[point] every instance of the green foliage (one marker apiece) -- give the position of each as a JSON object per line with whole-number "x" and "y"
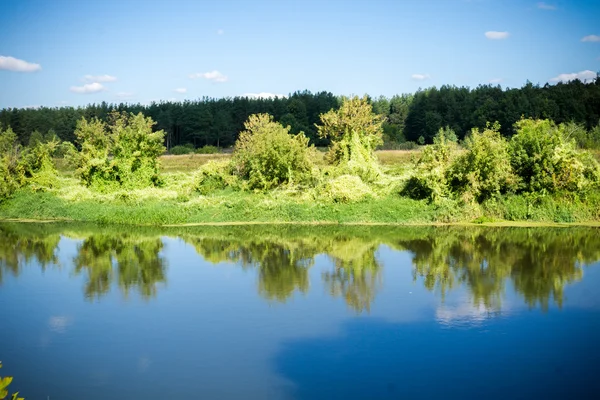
{"x": 355, "y": 132}
{"x": 546, "y": 160}
{"x": 585, "y": 139}
{"x": 35, "y": 139}
{"x": 121, "y": 154}
{"x": 430, "y": 178}
{"x": 484, "y": 170}
{"x": 180, "y": 150}
{"x": 266, "y": 155}
{"x": 12, "y": 173}
{"x": 214, "y": 176}
{"x": 345, "y": 189}
{"x": 208, "y": 150}
{"x": 4, "y": 383}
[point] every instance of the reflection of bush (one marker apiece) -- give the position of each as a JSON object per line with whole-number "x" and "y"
{"x": 537, "y": 262}
{"x": 17, "y": 248}
{"x": 138, "y": 264}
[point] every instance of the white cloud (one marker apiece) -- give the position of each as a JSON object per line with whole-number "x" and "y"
{"x": 495, "y": 35}
{"x": 99, "y": 78}
{"x": 180, "y": 90}
{"x": 14, "y": 64}
{"x": 214, "y": 76}
{"x": 263, "y": 95}
{"x": 495, "y": 80}
{"x": 220, "y": 32}
{"x": 582, "y": 76}
{"x": 59, "y": 323}
{"x": 591, "y": 38}
{"x": 545, "y": 6}
{"x": 88, "y": 88}
{"x": 420, "y": 77}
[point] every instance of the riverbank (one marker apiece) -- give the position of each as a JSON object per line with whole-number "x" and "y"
{"x": 164, "y": 207}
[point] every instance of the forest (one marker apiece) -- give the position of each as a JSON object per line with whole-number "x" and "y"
{"x": 412, "y": 118}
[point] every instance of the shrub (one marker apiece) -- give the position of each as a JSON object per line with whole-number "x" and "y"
{"x": 484, "y": 171}
{"x": 584, "y": 139}
{"x": 12, "y": 173}
{"x": 345, "y": 189}
{"x": 546, "y": 160}
{"x": 180, "y": 150}
{"x": 266, "y": 155}
{"x": 208, "y": 150}
{"x": 430, "y": 179}
{"x": 121, "y": 154}
{"x": 213, "y": 176}
{"x": 355, "y": 132}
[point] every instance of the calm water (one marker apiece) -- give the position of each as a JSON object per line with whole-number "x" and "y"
{"x": 300, "y": 313}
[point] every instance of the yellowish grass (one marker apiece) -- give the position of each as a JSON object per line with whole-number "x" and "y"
{"x": 188, "y": 162}
{"x": 390, "y": 157}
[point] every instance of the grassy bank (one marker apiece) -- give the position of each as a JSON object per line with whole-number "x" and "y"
{"x": 176, "y": 203}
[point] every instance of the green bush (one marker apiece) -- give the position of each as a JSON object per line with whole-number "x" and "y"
{"x": 266, "y": 155}
{"x": 12, "y": 174}
{"x": 484, "y": 171}
{"x": 546, "y": 160}
{"x": 430, "y": 179}
{"x": 584, "y": 139}
{"x": 213, "y": 176}
{"x": 181, "y": 150}
{"x": 121, "y": 154}
{"x": 355, "y": 132}
{"x": 208, "y": 150}
{"x": 345, "y": 189}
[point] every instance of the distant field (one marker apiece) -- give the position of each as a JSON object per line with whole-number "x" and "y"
{"x": 191, "y": 162}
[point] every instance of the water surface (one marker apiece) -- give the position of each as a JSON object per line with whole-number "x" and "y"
{"x": 299, "y": 313}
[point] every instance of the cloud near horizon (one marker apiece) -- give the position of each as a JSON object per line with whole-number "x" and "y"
{"x": 14, "y": 64}
{"x": 582, "y": 76}
{"x": 99, "y": 78}
{"x": 94, "y": 87}
{"x": 214, "y": 76}
{"x": 495, "y": 80}
{"x": 496, "y": 35}
{"x": 591, "y": 38}
{"x": 180, "y": 90}
{"x": 420, "y": 77}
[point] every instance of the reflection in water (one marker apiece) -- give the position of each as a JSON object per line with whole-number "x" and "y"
{"x": 536, "y": 262}
{"x": 138, "y": 264}
{"x": 22, "y": 246}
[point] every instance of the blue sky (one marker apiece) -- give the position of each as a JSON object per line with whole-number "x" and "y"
{"x": 67, "y": 52}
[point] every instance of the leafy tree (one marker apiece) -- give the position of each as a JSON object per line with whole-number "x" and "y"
{"x": 355, "y": 132}
{"x": 12, "y": 173}
{"x": 546, "y": 160}
{"x": 122, "y": 153}
{"x": 266, "y": 155}
{"x": 484, "y": 170}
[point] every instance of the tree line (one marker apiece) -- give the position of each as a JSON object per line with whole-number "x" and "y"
{"x": 413, "y": 117}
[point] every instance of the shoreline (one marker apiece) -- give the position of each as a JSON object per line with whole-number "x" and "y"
{"x": 495, "y": 224}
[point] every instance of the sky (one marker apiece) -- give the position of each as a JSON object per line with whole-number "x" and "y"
{"x": 71, "y": 53}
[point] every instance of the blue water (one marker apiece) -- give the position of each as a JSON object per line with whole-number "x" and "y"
{"x": 280, "y": 315}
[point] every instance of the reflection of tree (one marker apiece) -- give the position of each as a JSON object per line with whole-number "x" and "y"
{"x": 539, "y": 262}
{"x": 283, "y": 263}
{"x": 356, "y": 272}
{"x": 138, "y": 264}
{"x": 282, "y": 268}
{"x": 17, "y": 249}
